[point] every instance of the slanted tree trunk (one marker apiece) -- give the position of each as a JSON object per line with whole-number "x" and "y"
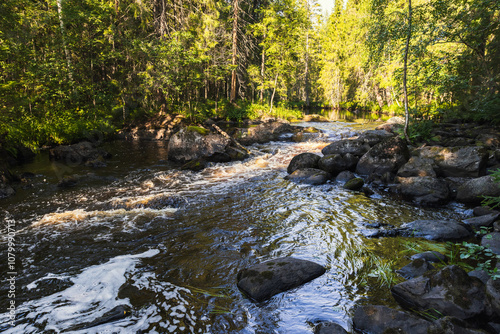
{"x": 405, "y": 70}
{"x": 235, "y": 49}
{"x": 65, "y": 46}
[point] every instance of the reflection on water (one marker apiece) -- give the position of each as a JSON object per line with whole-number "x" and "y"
{"x": 169, "y": 244}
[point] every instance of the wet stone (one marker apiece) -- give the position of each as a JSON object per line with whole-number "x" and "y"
{"x": 431, "y": 256}
{"x": 482, "y": 221}
{"x": 415, "y": 269}
{"x": 329, "y": 328}
{"x": 310, "y": 176}
{"x": 262, "y": 281}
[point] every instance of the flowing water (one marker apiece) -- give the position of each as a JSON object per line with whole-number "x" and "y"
{"x": 170, "y": 243}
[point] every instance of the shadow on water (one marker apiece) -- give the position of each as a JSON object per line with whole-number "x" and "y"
{"x": 169, "y": 244}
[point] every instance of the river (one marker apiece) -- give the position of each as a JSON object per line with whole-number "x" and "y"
{"x": 179, "y": 238}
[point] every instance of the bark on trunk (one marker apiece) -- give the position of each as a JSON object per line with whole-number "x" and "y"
{"x": 65, "y": 45}
{"x": 235, "y": 49}
{"x": 405, "y": 69}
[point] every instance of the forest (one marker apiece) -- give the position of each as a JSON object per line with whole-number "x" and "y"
{"x": 70, "y": 67}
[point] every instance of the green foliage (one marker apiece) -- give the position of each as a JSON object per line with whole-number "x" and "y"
{"x": 484, "y": 258}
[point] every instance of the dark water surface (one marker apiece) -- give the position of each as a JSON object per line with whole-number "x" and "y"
{"x": 178, "y": 239}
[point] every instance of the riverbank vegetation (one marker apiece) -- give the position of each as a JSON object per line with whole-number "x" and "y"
{"x": 70, "y": 67}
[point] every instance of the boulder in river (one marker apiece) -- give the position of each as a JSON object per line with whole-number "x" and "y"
{"x": 373, "y": 137}
{"x": 194, "y": 142}
{"x": 440, "y": 230}
{"x": 424, "y": 190}
{"x": 430, "y": 256}
{"x": 262, "y": 281}
{"x": 471, "y": 191}
{"x": 303, "y": 160}
{"x": 352, "y": 146}
{"x": 262, "y": 133}
{"x": 385, "y": 157}
{"x": 493, "y": 295}
{"x": 329, "y": 328}
{"x": 482, "y": 221}
{"x": 447, "y": 292}
{"x": 309, "y": 176}
{"x": 345, "y": 176}
{"x": 415, "y": 268}
{"x": 336, "y": 163}
{"x": 378, "y": 319}
{"x": 355, "y": 184}
{"x": 77, "y": 154}
{"x": 462, "y": 161}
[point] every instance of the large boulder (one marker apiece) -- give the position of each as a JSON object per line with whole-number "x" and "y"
{"x": 262, "y": 133}
{"x": 424, "y": 190}
{"x": 417, "y": 166}
{"x": 385, "y": 157}
{"x": 310, "y": 176}
{"x": 352, "y": 146}
{"x": 440, "y": 230}
{"x": 303, "y": 160}
{"x": 77, "y": 154}
{"x": 336, "y": 163}
{"x": 482, "y": 221}
{"x": 493, "y": 295}
{"x": 447, "y": 292}
{"x": 194, "y": 143}
{"x": 472, "y": 190}
{"x": 373, "y": 137}
{"x": 262, "y": 281}
{"x": 466, "y": 161}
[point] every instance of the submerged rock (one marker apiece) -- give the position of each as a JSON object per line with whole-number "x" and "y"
{"x": 262, "y": 281}
{"x": 377, "y": 319}
{"x": 385, "y": 157}
{"x": 431, "y": 256}
{"x": 303, "y": 160}
{"x": 329, "y": 328}
{"x": 309, "y": 176}
{"x": 447, "y": 292}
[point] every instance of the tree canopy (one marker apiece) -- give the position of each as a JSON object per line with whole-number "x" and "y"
{"x": 67, "y": 67}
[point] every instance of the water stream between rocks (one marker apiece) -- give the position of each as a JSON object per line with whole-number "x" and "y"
{"x": 170, "y": 243}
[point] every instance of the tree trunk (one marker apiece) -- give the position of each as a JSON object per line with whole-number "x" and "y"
{"x": 274, "y": 91}
{"x": 262, "y": 71}
{"x": 66, "y": 51}
{"x": 235, "y": 49}
{"x": 307, "y": 84}
{"x": 405, "y": 70}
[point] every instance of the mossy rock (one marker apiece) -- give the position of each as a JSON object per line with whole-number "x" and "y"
{"x": 194, "y": 165}
{"x": 354, "y": 184}
{"x": 199, "y": 129}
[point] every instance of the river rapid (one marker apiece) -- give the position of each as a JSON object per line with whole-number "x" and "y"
{"x": 177, "y": 240}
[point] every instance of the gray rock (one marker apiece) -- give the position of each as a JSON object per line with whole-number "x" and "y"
{"x": 483, "y": 211}
{"x": 493, "y": 295}
{"x": 336, "y": 163}
{"x": 454, "y": 183}
{"x": 77, "y": 154}
{"x": 345, "y": 176}
{"x": 480, "y": 274}
{"x": 263, "y": 133}
{"x": 194, "y": 143}
{"x": 415, "y": 269}
{"x": 309, "y": 176}
{"x": 355, "y": 147}
{"x": 354, "y": 184}
{"x": 303, "y": 160}
{"x": 376, "y": 319}
{"x": 482, "y": 221}
{"x": 492, "y": 241}
{"x": 417, "y": 166}
{"x": 436, "y": 230}
{"x": 236, "y": 154}
{"x": 472, "y": 190}
{"x": 262, "y": 281}
{"x": 424, "y": 190}
{"x": 329, "y": 328}
{"x": 431, "y": 256}
{"x": 467, "y": 161}
{"x": 449, "y": 292}
{"x": 373, "y": 137}
{"x": 452, "y": 325}
{"x": 385, "y": 157}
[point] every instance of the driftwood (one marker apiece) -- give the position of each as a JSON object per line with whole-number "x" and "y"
{"x": 234, "y": 141}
